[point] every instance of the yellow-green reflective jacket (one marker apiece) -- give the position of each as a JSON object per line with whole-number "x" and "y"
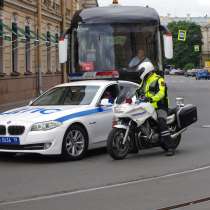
{"x": 155, "y": 88}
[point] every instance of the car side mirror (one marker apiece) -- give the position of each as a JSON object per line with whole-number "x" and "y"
{"x": 63, "y": 49}
{"x": 105, "y": 102}
{"x": 30, "y": 102}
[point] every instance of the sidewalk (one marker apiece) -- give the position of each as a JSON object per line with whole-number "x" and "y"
{"x": 5, "y": 107}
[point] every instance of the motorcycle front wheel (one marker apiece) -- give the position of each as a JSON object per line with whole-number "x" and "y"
{"x": 115, "y": 147}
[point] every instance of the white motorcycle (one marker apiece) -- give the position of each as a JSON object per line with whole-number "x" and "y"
{"x": 135, "y": 126}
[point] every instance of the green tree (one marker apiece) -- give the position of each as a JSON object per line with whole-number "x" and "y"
{"x": 184, "y": 52}
{"x": 189, "y": 66}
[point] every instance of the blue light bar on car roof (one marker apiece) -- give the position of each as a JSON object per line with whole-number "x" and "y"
{"x": 94, "y": 75}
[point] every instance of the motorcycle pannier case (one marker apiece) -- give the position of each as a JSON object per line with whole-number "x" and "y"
{"x": 187, "y": 116}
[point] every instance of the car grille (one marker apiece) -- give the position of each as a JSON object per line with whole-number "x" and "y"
{"x": 16, "y": 130}
{"x": 2, "y": 130}
{"x": 23, "y": 147}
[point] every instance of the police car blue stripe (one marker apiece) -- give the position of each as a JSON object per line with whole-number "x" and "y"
{"x": 82, "y": 114}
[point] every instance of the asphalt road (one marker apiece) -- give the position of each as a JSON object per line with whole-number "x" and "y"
{"x": 148, "y": 180}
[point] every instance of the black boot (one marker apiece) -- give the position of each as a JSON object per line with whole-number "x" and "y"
{"x": 170, "y": 152}
{"x": 166, "y": 140}
{"x": 165, "y": 136}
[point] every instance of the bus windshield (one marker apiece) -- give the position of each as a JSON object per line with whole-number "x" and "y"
{"x": 103, "y": 47}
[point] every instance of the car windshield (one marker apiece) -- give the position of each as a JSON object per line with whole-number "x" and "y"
{"x": 71, "y": 95}
{"x": 102, "y": 47}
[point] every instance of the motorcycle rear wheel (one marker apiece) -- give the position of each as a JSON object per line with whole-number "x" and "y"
{"x": 115, "y": 148}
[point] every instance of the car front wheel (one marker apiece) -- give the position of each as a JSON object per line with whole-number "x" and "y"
{"x": 75, "y": 143}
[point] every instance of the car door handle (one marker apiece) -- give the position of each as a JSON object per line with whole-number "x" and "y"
{"x": 92, "y": 123}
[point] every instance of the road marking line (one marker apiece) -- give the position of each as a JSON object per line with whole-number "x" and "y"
{"x": 69, "y": 193}
{"x": 205, "y": 126}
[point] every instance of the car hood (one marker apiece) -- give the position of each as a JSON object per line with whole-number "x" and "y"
{"x": 34, "y": 114}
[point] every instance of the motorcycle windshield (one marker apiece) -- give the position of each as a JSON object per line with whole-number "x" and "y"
{"x": 127, "y": 95}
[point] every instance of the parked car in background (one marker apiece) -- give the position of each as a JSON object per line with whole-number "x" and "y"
{"x": 179, "y": 72}
{"x": 176, "y": 72}
{"x": 191, "y": 73}
{"x": 166, "y": 71}
{"x": 202, "y": 74}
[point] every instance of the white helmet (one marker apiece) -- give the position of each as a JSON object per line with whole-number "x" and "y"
{"x": 144, "y": 69}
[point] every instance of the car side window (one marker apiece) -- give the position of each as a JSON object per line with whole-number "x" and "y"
{"x": 111, "y": 93}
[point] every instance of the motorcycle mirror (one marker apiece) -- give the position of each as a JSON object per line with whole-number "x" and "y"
{"x": 180, "y": 102}
{"x": 134, "y": 99}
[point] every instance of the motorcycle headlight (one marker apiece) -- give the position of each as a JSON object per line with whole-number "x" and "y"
{"x": 118, "y": 110}
{"x": 44, "y": 126}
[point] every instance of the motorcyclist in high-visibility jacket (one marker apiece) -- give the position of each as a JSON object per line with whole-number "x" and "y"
{"x": 155, "y": 90}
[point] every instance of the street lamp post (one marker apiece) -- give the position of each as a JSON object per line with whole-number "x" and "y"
{"x": 207, "y": 28}
{"x": 39, "y": 57}
{"x": 63, "y": 28}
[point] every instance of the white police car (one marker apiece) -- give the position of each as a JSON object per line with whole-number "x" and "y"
{"x": 68, "y": 119}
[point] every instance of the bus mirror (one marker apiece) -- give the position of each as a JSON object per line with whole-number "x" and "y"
{"x": 63, "y": 50}
{"x": 168, "y": 45}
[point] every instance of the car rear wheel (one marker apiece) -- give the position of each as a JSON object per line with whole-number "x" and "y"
{"x": 75, "y": 143}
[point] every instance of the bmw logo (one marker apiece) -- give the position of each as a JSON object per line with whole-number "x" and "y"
{"x": 9, "y": 122}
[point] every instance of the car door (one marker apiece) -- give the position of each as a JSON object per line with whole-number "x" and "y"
{"x": 103, "y": 120}
{"x": 101, "y": 123}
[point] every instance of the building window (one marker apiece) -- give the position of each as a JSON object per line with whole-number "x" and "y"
{"x": 27, "y": 48}
{"x": 1, "y": 46}
{"x": 48, "y": 44}
{"x": 14, "y": 46}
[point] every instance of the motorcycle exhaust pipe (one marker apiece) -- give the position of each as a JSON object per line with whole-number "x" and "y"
{"x": 178, "y": 133}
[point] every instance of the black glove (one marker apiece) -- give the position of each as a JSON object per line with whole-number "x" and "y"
{"x": 148, "y": 100}
{"x": 140, "y": 93}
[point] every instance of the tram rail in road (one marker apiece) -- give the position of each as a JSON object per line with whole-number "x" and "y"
{"x": 195, "y": 202}
{"x": 116, "y": 185}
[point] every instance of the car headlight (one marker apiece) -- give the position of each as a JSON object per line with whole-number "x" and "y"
{"x": 44, "y": 126}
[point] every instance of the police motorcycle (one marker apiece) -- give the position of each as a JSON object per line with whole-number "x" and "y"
{"x": 135, "y": 125}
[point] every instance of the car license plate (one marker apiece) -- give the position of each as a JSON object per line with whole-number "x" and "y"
{"x": 10, "y": 140}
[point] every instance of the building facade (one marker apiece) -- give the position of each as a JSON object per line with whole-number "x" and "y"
{"x": 206, "y": 45}
{"x": 88, "y": 3}
{"x": 21, "y": 34}
{"x": 204, "y": 22}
